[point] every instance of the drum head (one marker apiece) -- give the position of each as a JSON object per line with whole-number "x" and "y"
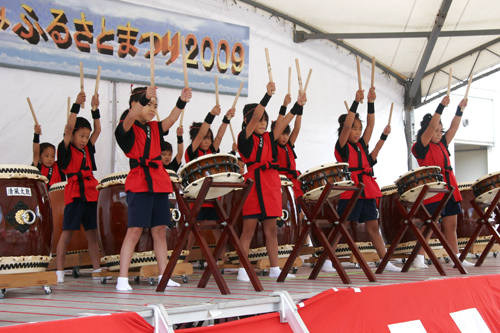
{"x": 412, "y": 195}
{"x": 174, "y": 177}
{"x": 285, "y": 181}
{"x": 192, "y": 190}
{"x": 389, "y": 189}
{"x": 316, "y": 193}
{"x": 487, "y": 197}
{"x": 412, "y": 171}
{"x": 320, "y": 167}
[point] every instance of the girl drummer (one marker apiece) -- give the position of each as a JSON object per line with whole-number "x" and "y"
{"x": 167, "y": 152}
{"x": 76, "y": 159}
{"x": 352, "y": 147}
{"x": 431, "y": 148}
{"x": 257, "y": 148}
{"x": 44, "y": 158}
{"x": 148, "y": 184}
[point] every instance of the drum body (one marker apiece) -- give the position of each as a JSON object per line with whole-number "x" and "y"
{"x": 467, "y": 221}
{"x": 315, "y": 179}
{"x": 486, "y": 187}
{"x": 79, "y": 239}
{"x": 26, "y": 215}
{"x": 411, "y": 183}
{"x": 390, "y": 217}
{"x": 221, "y": 167}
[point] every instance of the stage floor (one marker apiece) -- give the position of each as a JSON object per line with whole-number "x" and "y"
{"x": 82, "y": 296}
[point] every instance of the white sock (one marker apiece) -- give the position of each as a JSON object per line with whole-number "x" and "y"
{"x": 327, "y": 267}
{"x": 60, "y": 276}
{"x": 99, "y": 271}
{"x": 242, "y": 275}
{"x": 122, "y": 284}
{"x": 275, "y": 272}
{"x": 170, "y": 283}
{"x": 420, "y": 258}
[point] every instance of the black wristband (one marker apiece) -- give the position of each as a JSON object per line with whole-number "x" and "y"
{"x": 75, "y": 108}
{"x": 301, "y": 111}
{"x": 265, "y": 100}
{"x": 209, "y": 118}
{"x": 180, "y": 104}
{"x": 440, "y": 108}
{"x": 296, "y": 109}
{"x": 36, "y": 138}
{"x": 383, "y": 137}
{"x": 96, "y": 114}
{"x": 371, "y": 108}
{"x": 179, "y": 139}
{"x": 459, "y": 112}
{"x": 144, "y": 100}
{"x": 282, "y": 110}
{"x": 225, "y": 120}
{"x": 354, "y": 107}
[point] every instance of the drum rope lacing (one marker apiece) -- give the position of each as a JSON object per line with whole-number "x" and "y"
{"x": 402, "y": 186}
{"x": 21, "y": 170}
{"x": 199, "y": 170}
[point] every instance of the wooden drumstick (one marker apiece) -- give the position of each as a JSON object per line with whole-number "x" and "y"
{"x": 390, "y": 114}
{"x": 69, "y": 106}
{"x": 467, "y": 91}
{"x": 32, "y": 111}
{"x": 289, "y": 79}
{"x": 81, "y": 82}
{"x": 307, "y": 81}
{"x": 449, "y": 82}
{"x": 269, "y": 68}
{"x": 152, "y": 67}
{"x": 347, "y": 107}
{"x": 373, "y": 72}
{"x": 237, "y": 95}
{"x": 184, "y": 62}
{"x": 299, "y": 76}
{"x": 359, "y": 76}
{"x": 216, "y": 90}
{"x": 96, "y": 90}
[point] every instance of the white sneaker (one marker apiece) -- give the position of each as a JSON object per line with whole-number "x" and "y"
{"x": 419, "y": 264}
{"x": 391, "y": 268}
{"x": 60, "y": 276}
{"x": 466, "y": 263}
{"x": 170, "y": 283}
{"x": 275, "y": 272}
{"x": 328, "y": 267}
{"x": 242, "y": 275}
{"x": 122, "y": 284}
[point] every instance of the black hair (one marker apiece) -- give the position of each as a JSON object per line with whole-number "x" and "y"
{"x": 248, "y": 111}
{"x": 136, "y": 94}
{"x": 166, "y": 146}
{"x": 45, "y": 145}
{"x": 194, "y": 129}
{"x": 240, "y": 159}
{"x": 424, "y": 124}
{"x": 342, "y": 121}
{"x": 81, "y": 123}
{"x": 287, "y": 129}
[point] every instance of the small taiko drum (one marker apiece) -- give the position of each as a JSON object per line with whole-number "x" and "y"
{"x": 223, "y": 168}
{"x": 79, "y": 239}
{"x": 485, "y": 188}
{"x": 26, "y": 220}
{"x": 288, "y": 226}
{"x": 411, "y": 183}
{"x": 315, "y": 179}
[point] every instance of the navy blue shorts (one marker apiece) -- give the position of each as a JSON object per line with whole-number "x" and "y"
{"x": 80, "y": 213}
{"x": 451, "y": 208}
{"x": 207, "y": 213}
{"x": 148, "y": 210}
{"x": 364, "y": 210}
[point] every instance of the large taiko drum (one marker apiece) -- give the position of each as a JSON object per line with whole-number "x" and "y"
{"x": 288, "y": 226}
{"x": 485, "y": 188}
{"x": 223, "y": 168}
{"x": 79, "y": 239}
{"x": 315, "y": 179}
{"x": 411, "y": 183}
{"x": 26, "y": 220}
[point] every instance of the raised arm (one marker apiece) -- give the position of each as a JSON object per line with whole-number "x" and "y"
{"x": 286, "y": 102}
{"x": 36, "y": 145}
{"x": 168, "y": 122}
{"x": 380, "y": 143}
{"x": 259, "y": 110}
{"x": 433, "y": 125}
{"x": 297, "y": 109}
{"x": 370, "y": 117}
{"x": 222, "y": 128}
{"x": 455, "y": 123}
{"x": 204, "y": 127}
{"x": 97, "y": 122}
{"x": 180, "y": 144}
{"x": 70, "y": 125}
{"x": 296, "y": 129}
{"x": 349, "y": 120}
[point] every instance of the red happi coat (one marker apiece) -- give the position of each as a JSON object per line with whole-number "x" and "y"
{"x": 53, "y": 174}
{"x": 360, "y": 166}
{"x": 438, "y": 154}
{"x": 287, "y": 167}
{"x": 262, "y": 165}
{"x": 198, "y": 152}
{"x": 81, "y": 180}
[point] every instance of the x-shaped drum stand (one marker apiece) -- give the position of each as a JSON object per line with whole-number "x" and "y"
{"x": 330, "y": 243}
{"x": 483, "y": 221}
{"x": 224, "y": 221}
{"x": 417, "y": 207}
